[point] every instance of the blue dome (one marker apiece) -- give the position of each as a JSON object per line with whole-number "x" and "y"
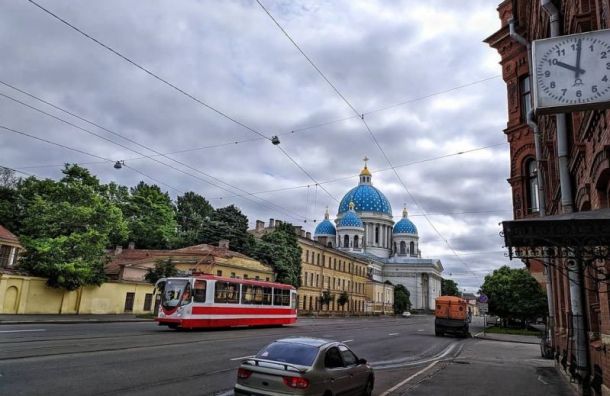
{"x": 405, "y": 226}
{"x": 351, "y": 219}
{"x": 326, "y": 227}
{"x": 366, "y": 198}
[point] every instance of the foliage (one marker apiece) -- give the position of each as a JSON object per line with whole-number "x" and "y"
{"x": 514, "y": 294}
{"x": 343, "y": 298}
{"x": 402, "y": 299}
{"x": 192, "y": 212}
{"x": 449, "y": 288}
{"x": 281, "y": 251}
{"x": 65, "y": 228}
{"x": 8, "y": 178}
{"x": 326, "y": 298}
{"x": 151, "y": 217}
{"x": 163, "y": 269}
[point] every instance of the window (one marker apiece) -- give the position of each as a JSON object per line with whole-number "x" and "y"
{"x": 129, "y": 298}
{"x": 281, "y": 297}
{"x": 532, "y": 185}
{"x": 377, "y": 234}
{"x": 356, "y": 241}
{"x": 317, "y": 279}
{"x": 403, "y": 247}
{"x": 412, "y": 248}
{"x": 349, "y": 359}
{"x": 199, "y": 291}
{"x": 148, "y": 302}
{"x": 219, "y": 273}
{"x": 245, "y": 276}
{"x": 318, "y": 258}
{"x": 5, "y": 255}
{"x": 306, "y": 256}
{"x": 255, "y": 295}
{"x": 227, "y": 293}
{"x": 232, "y": 274}
{"x": 346, "y": 241}
{"x": 526, "y": 102}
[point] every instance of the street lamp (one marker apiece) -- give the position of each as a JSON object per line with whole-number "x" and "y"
{"x": 119, "y": 164}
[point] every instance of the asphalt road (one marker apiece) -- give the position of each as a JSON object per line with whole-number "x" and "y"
{"x": 144, "y": 359}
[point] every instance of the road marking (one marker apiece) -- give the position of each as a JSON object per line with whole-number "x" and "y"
{"x": 476, "y": 335}
{"x": 227, "y": 393}
{"x": 421, "y": 330}
{"x": 393, "y": 334}
{"x": 541, "y": 380}
{"x": 392, "y": 389}
{"x": 346, "y": 341}
{"x": 243, "y": 357}
{"x": 20, "y": 331}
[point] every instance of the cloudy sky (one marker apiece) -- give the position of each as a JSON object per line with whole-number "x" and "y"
{"x": 428, "y": 87}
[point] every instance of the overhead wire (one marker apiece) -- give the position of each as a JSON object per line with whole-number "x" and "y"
{"x": 366, "y": 125}
{"x": 173, "y": 86}
{"x": 284, "y": 210}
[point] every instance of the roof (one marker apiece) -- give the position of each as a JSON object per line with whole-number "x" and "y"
{"x": 351, "y": 219}
{"x": 366, "y": 198}
{"x": 326, "y": 227}
{"x": 316, "y": 342}
{"x": 6, "y": 235}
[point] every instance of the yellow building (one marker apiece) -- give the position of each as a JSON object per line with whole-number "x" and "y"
{"x": 326, "y": 269}
{"x": 381, "y": 297}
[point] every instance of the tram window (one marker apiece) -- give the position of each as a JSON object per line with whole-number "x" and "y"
{"x": 248, "y": 294}
{"x": 227, "y": 292}
{"x": 199, "y": 291}
{"x": 281, "y": 297}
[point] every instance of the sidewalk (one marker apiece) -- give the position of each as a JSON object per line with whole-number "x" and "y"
{"x": 487, "y": 367}
{"x": 521, "y": 339}
{"x": 6, "y": 319}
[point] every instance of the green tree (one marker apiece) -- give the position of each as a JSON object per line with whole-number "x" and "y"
{"x": 282, "y": 252}
{"x": 343, "y": 298}
{"x": 514, "y": 294}
{"x": 192, "y": 212}
{"x": 151, "y": 217}
{"x": 449, "y": 288}
{"x": 326, "y": 298}
{"x": 66, "y": 227}
{"x": 402, "y": 299}
{"x": 163, "y": 269}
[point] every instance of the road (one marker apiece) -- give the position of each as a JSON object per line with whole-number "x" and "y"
{"x": 144, "y": 359}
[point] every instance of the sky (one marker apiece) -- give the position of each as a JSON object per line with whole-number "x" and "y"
{"x": 229, "y": 79}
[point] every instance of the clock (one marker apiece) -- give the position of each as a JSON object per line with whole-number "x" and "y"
{"x": 572, "y": 73}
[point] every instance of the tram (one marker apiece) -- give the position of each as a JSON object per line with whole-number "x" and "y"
{"x": 201, "y": 301}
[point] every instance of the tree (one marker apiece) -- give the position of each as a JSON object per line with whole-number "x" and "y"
{"x": 514, "y": 294}
{"x": 192, "y": 211}
{"x": 326, "y": 298}
{"x": 163, "y": 269}
{"x": 282, "y": 252}
{"x": 66, "y": 227}
{"x": 343, "y": 298}
{"x": 8, "y": 178}
{"x": 151, "y": 217}
{"x": 449, "y": 288}
{"x": 402, "y": 299}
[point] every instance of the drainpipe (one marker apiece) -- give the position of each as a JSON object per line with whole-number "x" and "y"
{"x": 575, "y": 270}
{"x": 531, "y": 122}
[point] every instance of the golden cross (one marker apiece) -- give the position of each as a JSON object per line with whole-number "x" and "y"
{"x": 365, "y": 159}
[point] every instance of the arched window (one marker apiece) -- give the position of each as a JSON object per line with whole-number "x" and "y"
{"x": 403, "y": 247}
{"x": 394, "y": 247}
{"x": 329, "y": 244}
{"x": 376, "y": 234}
{"x": 532, "y": 185}
{"x": 412, "y": 248}
{"x": 346, "y": 241}
{"x": 356, "y": 241}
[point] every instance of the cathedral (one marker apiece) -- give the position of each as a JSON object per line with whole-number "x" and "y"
{"x": 365, "y": 227}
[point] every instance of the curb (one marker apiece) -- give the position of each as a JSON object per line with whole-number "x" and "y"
{"x": 504, "y": 340}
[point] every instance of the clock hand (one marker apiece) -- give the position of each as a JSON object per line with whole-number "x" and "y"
{"x": 566, "y": 66}
{"x": 577, "y": 72}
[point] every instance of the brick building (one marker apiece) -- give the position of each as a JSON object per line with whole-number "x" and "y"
{"x": 562, "y": 236}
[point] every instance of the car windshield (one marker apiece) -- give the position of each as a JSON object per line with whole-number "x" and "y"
{"x": 172, "y": 292}
{"x": 287, "y": 352}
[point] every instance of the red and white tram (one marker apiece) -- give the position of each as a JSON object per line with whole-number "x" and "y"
{"x": 211, "y": 301}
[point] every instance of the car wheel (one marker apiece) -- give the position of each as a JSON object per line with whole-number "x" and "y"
{"x": 368, "y": 390}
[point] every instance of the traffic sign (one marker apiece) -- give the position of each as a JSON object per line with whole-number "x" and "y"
{"x": 483, "y": 308}
{"x": 483, "y": 298}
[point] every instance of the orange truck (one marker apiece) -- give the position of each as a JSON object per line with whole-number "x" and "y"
{"x": 451, "y": 316}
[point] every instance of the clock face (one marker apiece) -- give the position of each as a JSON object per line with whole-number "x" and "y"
{"x": 573, "y": 71}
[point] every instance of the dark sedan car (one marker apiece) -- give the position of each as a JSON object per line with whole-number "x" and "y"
{"x": 304, "y": 366}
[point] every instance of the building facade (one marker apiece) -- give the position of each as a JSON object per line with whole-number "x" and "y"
{"x": 9, "y": 249}
{"x": 560, "y": 191}
{"x": 364, "y": 227}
